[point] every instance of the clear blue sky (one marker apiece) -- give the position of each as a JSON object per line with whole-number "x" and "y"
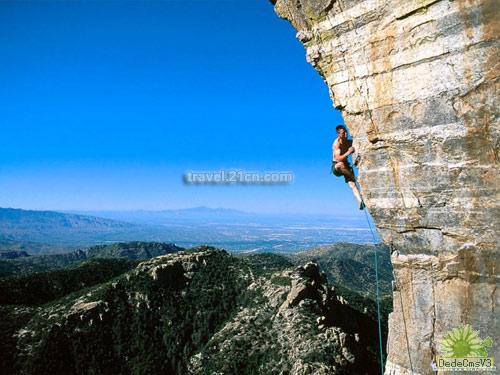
{"x": 104, "y": 105}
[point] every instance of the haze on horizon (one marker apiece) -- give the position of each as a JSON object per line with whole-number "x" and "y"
{"x": 107, "y": 105}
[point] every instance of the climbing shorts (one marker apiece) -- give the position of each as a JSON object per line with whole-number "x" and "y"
{"x": 338, "y": 173}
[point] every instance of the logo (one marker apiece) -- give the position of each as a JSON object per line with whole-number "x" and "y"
{"x": 464, "y": 342}
{"x": 462, "y": 349}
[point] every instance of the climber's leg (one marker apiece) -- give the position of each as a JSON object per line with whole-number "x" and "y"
{"x": 345, "y": 169}
{"x": 355, "y": 191}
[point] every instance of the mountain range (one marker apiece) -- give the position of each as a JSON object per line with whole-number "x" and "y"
{"x": 39, "y": 232}
{"x": 49, "y": 227}
{"x": 136, "y": 250}
{"x": 219, "y": 215}
{"x": 194, "y": 311}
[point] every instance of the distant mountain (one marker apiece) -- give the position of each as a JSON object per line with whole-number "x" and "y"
{"x": 243, "y": 231}
{"x": 22, "y": 266}
{"x": 199, "y": 311}
{"x": 49, "y": 231}
{"x": 180, "y": 216}
{"x": 55, "y": 227}
{"x": 42, "y": 232}
{"x": 13, "y": 254}
{"x": 32, "y": 247}
{"x": 206, "y": 215}
{"x": 21, "y": 220}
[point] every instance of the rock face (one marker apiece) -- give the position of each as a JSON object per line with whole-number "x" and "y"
{"x": 416, "y": 81}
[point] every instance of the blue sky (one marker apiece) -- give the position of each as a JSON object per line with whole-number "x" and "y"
{"x": 104, "y": 105}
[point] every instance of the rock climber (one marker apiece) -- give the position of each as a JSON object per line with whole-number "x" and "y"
{"x": 342, "y": 148}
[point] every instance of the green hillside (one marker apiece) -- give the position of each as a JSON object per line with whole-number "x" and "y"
{"x": 199, "y": 311}
{"x": 40, "y": 263}
{"x": 351, "y": 269}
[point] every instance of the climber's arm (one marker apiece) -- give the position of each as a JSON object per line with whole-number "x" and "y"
{"x": 338, "y": 156}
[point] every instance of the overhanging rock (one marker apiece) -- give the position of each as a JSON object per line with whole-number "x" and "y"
{"x": 416, "y": 81}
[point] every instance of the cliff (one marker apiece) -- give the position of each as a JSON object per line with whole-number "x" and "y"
{"x": 416, "y": 82}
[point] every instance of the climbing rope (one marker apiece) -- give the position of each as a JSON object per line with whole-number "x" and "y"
{"x": 378, "y": 299}
{"x": 379, "y": 320}
{"x": 404, "y": 321}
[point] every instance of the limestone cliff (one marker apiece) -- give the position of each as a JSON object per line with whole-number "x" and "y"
{"x": 416, "y": 81}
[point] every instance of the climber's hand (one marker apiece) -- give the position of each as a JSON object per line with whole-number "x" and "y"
{"x": 351, "y": 150}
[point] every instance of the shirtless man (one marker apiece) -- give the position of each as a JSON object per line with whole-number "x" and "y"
{"x": 342, "y": 148}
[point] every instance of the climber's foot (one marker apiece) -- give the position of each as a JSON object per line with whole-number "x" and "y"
{"x": 362, "y": 205}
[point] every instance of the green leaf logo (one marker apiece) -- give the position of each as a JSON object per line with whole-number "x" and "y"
{"x": 463, "y": 342}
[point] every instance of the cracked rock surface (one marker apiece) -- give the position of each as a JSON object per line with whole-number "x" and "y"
{"x": 417, "y": 84}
